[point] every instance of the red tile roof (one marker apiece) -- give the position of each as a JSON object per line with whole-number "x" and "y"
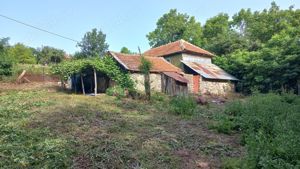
{"x": 176, "y": 47}
{"x": 132, "y": 62}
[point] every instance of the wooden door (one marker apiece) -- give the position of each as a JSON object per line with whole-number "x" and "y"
{"x": 196, "y": 85}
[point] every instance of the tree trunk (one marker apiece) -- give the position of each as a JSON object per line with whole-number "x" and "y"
{"x": 95, "y": 79}
{"x": 147, "y": 86}
{"x": 62, "y": 81}
{"x": 82, "y": 84}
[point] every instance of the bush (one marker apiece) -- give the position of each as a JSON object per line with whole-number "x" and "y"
{"x": 270, "y": 128}
{"x": 183, "y": 105}
{"x": 159, "y": 97}
{"x": 232, "y": 163}
{"x": 117, "y": 91}
{"x": 223, "y": 123}
{"x": 6, "y": 65}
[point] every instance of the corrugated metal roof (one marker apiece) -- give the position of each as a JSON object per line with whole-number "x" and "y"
{"x": 177, "y": 77}
{"x": 209, "y": 71}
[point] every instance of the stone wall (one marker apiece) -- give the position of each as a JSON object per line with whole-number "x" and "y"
{"x": 216, "y": 87}
{"x": 155, "y": 81}
{"x": 189, "y": 77}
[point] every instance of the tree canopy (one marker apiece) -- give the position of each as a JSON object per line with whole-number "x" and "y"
{"x": 6, "y": 62}
{"x": 47, "y": 54}
{"x": 93, "y": 44}
{"x": 22, "y": 54}
{"x": 125, "y": 50}
{"x": 173, "y": 26}
{"x": 260, "y": 48}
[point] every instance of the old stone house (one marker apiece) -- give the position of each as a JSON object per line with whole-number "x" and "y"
{"x": 164, "y": 77}
{"x": 204, "y": 77}
{"x": 179, "y": 67}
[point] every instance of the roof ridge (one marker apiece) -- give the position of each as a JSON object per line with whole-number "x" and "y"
{"x": 197, "y": 47}
{"x": 162, "y": 45}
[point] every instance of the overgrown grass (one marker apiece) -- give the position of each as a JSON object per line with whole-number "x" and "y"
{"x": 269, "y": 124}
{"x": 183, "y": 105}
{"x": 46, "y": 129}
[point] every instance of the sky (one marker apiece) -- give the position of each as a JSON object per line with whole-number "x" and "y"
{"x": 125, "y": 23}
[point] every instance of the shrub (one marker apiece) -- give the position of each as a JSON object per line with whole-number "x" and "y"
{"x": 232, "y": 163}
{"x": 223, "y": 123}
{"x": 270, "y": 128}
{"x": 159, "y": 97}
{"x": 6, "y": 65}
{"x": 183, "y": 105}
{"x": 117, "y": 91}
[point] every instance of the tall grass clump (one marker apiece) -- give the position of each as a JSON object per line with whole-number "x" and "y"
{"x": 270, "y": 126}
{"x": 183, "y": 105}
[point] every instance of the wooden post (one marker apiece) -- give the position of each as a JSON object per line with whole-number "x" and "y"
{"x": 147, "y": 86}
{"x": 95, "y": 79}
{"x": 82, "y": 84}
{"x": 21, "y": 76}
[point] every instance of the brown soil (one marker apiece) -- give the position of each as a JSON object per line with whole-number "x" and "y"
{"x": 41, "y": 78}
{"x": 29, "y": 86}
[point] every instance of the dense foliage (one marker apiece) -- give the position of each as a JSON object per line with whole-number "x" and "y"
{"x": 270, "y": 128}
{"x": 47, "y": 55}
{"x": 260, "y": 48}
{"x": 183, "y": 105}
{"x": 16, "y": 58}
{"x": 105, "y": 65}
{"x": 6, "y": 63}
{"x": 145, "y": 68}
{"x": 174, "y": 26}
{"x": 22, "y": 54}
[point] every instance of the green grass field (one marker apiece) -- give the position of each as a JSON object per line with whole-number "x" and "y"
{"x": 42, "y": 128}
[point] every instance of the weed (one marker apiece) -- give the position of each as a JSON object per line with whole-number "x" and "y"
{"x": 183, "y": 105}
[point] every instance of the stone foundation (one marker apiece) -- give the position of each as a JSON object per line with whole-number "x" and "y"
{"x": 155, "y": 81}
{"x": 216, "y": 87}
{"x": 189, "y": 77}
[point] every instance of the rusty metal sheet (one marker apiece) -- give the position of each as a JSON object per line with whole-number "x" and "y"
{"x": 209, "y": 71}
{"x": 177, "y": 77}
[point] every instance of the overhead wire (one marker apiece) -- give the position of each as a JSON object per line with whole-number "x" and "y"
{"x": 37, "y": 28}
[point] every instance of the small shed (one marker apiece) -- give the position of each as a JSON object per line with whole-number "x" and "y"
{"x": 173, "y": 83}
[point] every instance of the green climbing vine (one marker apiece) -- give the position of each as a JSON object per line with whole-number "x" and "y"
{"x": 106, "y": 65}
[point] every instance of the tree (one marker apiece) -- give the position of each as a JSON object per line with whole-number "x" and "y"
{"x": 6, "y": 62}
{"x": 174, "y": 26}
{"x": 22, "y": 54}
{"x": 93, "y": 44}
{"x": 78, "y": 55}
{"x": 125, "y": 50}
{"x": 145, "y": 69}
{"x": 47, "y": 54}
{"x": 4, "y": 44}
{"x": 216, "y": 26}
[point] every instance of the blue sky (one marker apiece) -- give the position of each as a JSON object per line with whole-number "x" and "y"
{"x": 125, "y": 23}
